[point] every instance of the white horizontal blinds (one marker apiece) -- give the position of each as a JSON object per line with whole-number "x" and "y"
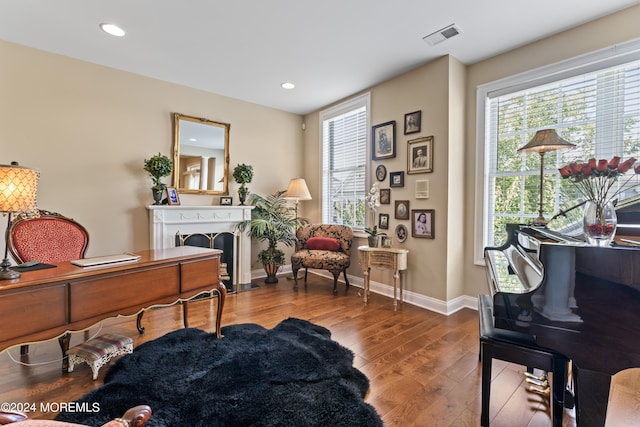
{"x": 598, "y": 111}
{"x": 344, "y": 155}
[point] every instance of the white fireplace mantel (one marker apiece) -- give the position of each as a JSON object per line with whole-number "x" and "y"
{"x": 165, "y": 221}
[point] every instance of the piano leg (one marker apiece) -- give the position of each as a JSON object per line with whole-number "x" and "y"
{"x": 591, "y": 397}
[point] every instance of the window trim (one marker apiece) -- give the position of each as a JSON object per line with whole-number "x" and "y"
{"x": 336, "y": 110}
{"x": 610, "y": 56}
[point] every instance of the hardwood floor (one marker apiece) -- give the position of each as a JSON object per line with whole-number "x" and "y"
{"x": 423, "y": 366}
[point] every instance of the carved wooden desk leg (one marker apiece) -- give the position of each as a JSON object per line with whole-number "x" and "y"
{"x": 139, "y": 322}
{"x": 221, "y": 290}
{"x": 64, "y": 346}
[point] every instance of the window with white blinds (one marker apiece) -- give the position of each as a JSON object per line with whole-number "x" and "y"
{"x": 597, "y": 108}
{"x": 344, "y": 162}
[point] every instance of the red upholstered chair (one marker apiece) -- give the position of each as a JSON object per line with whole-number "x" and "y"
{"x": 134, "y": 417}
{"x": 325, "y": 247}
{"x": 47, "y": 237}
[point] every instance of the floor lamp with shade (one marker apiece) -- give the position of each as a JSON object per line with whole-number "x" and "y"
{"x": 18, "y": 186}
{"x": 543, "y": 141}
{"x": 297, "y": 191}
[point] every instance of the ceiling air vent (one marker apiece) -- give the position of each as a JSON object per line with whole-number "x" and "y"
{"x": 442, "y": 34}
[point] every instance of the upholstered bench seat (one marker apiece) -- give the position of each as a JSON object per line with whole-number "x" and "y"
{"x": 99, "y": 351}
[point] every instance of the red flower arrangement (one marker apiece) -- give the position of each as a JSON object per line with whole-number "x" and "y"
{"x": 596, "y": 180}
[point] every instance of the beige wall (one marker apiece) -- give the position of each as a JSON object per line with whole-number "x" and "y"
{"x": 604, "y": 32}
{"x": 420, "y": 89}
{"x": 88, "y": 129}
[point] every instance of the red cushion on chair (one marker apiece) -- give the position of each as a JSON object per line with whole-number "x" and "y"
{"x": 323, "y": 244}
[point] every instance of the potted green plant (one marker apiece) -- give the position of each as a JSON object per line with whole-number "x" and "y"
{"x": 243, "y": 174}
{"x": 272, "y": 221}
{"x": 158, "y": 167}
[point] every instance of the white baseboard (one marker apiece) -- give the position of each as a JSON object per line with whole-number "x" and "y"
{"x": 432, "y": 304}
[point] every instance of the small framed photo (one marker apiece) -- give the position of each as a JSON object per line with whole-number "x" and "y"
{"x": 412, "y": 122}
{"x": 383, "y": 140}
{"x": 381, "y": 173}
{"x": 226, "y": 201}
{"x": 172, "y": 196}
{"x": 383, "y": 221}
{"x": 401, "y": 233}
{"x": 396, "y": 179}
{"x": 402, "y": 209}
{"x": 420, "y": 155}
{"x": 422, "y": 223}
{"x": 385, "y": 196}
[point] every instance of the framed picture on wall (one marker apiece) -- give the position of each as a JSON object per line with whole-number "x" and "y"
{"x": 385, "y": 196}
{"x": 383, "y": 139}
{"x": 402, "y": 209}
{"x": 422, "y": 223}
{"x": 381, "y": 173}
{"x": 401, "y": 233}
{"x": 383, "y": 221}
{"x": 172, "y": 196}
{"x": 420, "y": 155}
{"x": 412, "y": 122}
{"x": 226, "y": 201}
{"x": 396, "y": 179}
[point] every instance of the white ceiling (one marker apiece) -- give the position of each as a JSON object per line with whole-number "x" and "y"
{"x": 245, "y": 49}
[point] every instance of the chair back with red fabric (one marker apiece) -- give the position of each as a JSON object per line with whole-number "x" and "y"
{"x": 47, "y": 237}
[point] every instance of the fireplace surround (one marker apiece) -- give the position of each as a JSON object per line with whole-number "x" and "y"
{"x": 168, "y": 221}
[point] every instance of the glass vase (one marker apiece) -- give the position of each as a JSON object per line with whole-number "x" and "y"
{"x": 599, "y": 222}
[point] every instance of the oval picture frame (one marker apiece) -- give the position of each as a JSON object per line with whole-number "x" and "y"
{"x": 401, "y": 233}
{"x": 381, "y": 173}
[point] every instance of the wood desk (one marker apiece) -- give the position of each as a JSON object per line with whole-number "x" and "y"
{"x": 389, "y": 258}
{"x": 49, "y": 303}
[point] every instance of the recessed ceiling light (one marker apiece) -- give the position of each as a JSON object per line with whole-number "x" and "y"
{"x": 112, "y": 29}
{"x": 287, "y": 85}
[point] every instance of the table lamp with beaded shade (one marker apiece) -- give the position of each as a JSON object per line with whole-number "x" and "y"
{"x": 18, "y": 186}
{"x": 543, "y": 141}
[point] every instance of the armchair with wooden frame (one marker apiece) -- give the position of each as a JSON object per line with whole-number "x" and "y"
{"x": 324, "y": 247}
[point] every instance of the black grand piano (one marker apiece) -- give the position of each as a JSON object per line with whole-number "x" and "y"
{"x": 578, "y": 300}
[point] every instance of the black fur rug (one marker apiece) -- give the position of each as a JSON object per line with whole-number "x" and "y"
{"x": 291, "y": 375}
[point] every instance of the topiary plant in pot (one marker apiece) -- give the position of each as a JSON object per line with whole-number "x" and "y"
{"x": 272, "y": 221}
{"x": 158, "y": 167}
{"x": 243, "y": 174}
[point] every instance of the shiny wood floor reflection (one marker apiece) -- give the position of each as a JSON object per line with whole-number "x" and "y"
{"x": 423, "y": 366}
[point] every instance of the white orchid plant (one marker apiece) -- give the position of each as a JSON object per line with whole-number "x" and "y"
{"x": 373, "y": 201}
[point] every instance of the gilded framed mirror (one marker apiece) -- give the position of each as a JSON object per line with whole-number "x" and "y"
{"x": 200, "y": 155}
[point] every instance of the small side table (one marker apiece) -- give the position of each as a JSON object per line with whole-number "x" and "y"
{"x": 387, "y": 258}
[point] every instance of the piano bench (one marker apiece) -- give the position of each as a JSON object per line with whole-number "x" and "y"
{"x": 518, "y": 348}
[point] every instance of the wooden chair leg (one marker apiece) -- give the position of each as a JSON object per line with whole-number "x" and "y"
{"x": 336, "y": 274}
{"x": 346, "y": 280}
{"x": 295, "y": 278}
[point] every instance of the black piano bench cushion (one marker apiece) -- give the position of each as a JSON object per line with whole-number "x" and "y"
{"x": 521, "y": 349}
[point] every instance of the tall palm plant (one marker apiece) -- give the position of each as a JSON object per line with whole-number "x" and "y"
{"x": 272, "y": 221}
